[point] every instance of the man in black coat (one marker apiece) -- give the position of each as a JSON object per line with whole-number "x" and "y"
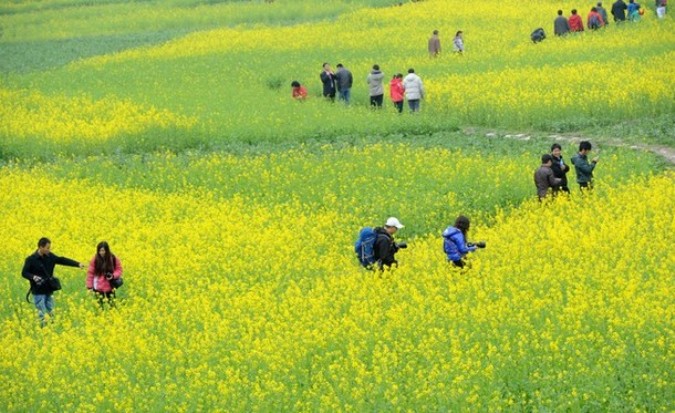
{"x": 329, "y": 82}
{"x": 38, "y": 269}
{"x": 385, "y": 247}
{"x": 619, "y": 10}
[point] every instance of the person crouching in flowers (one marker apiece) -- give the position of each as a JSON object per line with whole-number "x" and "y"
{"x": 103, "y": 268}
{"x": 455, "y": 245}
{"x": 298, "y": 92}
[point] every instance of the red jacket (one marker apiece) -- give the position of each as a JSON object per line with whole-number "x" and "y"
{"x": 299, "y": 92}
{"x": 396, "y": 90}
{"x": 576, "y": 24}
{"x": 98, "y": 282}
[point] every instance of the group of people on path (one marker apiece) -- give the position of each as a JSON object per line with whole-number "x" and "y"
{"x": 104, "y": 275}
{"x": 340, "y": 82}
{"x": 551, "y": 176}
{"x": 598, "y": 16}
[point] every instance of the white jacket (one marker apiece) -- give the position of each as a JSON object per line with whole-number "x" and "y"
{"x": 413, "y": 87}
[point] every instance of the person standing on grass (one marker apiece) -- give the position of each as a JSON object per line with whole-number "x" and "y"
{"x": 396, "y": 91}
{"x": 104, "y": 267}
{"x": 434, "y": 45}
{"x": 329, "y": 82}
{"x": 602, "y": 12}
{"x": 376, "y": 87}
{"x": 298, "y": 92}
{"x": 576, "y": 24}
{"x": 619, "y": 11}
{"x": 560, "y": 168}
{"x": 661, "y": 8}
{"x": 543, "y": 177}
{"x": 560, "y": 26}
{"x": 344, "y": 83}
{"x": 38, "y": 269}
{"x": 414, "y": 90}
{"x": 582, "y": 167}
{"x": 458, "y": 43}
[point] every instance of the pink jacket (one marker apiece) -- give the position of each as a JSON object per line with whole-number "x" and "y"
{"x": 98, "y": 282}
{"x": 396, "y": 90}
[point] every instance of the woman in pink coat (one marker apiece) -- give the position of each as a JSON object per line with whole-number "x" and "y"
{"x": 396, "y": 91}
{"x": 103, "y": 269}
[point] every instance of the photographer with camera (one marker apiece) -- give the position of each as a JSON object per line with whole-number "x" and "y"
{"x": 385, "y": 247}
{"x": 104, "y": 274}
{"x": 454, "y": 241}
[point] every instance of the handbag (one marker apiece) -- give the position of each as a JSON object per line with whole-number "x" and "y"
{"x": 116, "y": 283}
{"x": 54, "y": 283}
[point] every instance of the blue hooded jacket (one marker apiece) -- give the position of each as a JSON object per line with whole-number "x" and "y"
{"x": 454, "y": 244}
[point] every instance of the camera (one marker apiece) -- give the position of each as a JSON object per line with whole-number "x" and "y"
{"x": 480, "y": 244}
{"x": 108, "y": 276}
{"x": 401, "y": 245}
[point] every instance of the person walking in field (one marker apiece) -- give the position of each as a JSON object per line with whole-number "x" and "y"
{"x": 602, "y": 12}
{"x": 434, "y": 45}
{"x": 619, "y": 11}
{"x": 544, "y": 178}
{"x": 458, "y": 43}
{"x": 661, "y": 8}
{"x": 560, "y": 168}
{"x": 561, "y": 26}
{"x": 329, "y": 82}
{"x": 396, "y": 91}
{"x": 633, "y": 11}
{"x": 104, "y": 273}
{"x": 594, "y": 20}
{"x": 414, "y": 90}
{"x": 298, "y": 92}
{"x": 582, "y": 167}
{"x": 376, "y": 87}
{"x": 455, "y": 243}
{"x": 38, "y": 269}
{"x": 576, "y": 24}
{"x": 344, "y": 80}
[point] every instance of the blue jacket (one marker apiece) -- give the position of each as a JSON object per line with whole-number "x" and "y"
{"x": 454, "y": 244}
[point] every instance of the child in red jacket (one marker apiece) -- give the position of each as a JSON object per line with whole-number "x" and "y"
{"x": 299, "y": 92}
{"x": 396, "y": 91}
{"x": 576, "y": 24}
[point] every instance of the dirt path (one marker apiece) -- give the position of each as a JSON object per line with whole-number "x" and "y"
{"x": 666, "y": 152}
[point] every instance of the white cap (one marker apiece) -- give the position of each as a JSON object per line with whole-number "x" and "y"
{"x": 393, "y": 222}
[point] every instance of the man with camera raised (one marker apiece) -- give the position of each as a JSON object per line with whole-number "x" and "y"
{"x": 385, "y": 247}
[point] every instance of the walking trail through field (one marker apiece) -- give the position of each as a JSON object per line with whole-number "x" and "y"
{"x": 666, "y": 152}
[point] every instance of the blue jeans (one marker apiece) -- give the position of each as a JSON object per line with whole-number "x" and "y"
{"x": 345, "y": 94}
{"x": 414, "y": 105}
{"x": 45, "y": 305}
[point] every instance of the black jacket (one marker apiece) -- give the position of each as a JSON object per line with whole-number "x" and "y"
{"x": 385, "y": 248}
{"x": 619, "y": 10}
{"x": 43, "y": 267}
{"x": 560, "y": 171}
{"x": 329, "y": 83}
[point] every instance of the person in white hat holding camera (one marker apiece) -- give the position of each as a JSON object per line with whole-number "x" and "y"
{"x": 385, "y": 246}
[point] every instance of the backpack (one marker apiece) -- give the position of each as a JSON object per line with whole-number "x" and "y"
{"x": 365, "y": 246}
{"x": 538, "y": 35}
{"x": 593, "y": 22}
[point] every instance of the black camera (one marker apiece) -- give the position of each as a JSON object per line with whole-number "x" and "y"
{"x": 480, "y": 244}
{"x": 108, "y": 276}
{"x": 401, "y": 245}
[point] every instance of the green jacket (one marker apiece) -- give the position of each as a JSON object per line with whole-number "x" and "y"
{"x": 583, "y": 168}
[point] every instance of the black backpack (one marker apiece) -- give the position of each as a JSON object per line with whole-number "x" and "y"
{"x": 538, "y": 35}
